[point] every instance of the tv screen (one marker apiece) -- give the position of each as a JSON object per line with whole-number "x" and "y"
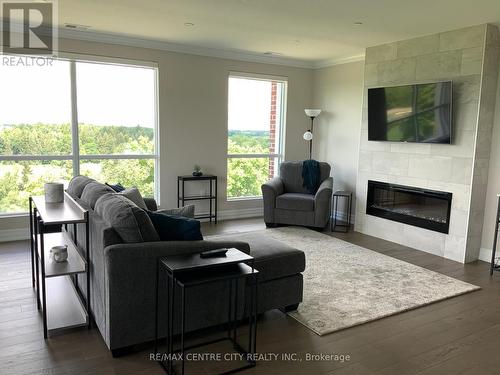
{"x": 412, "y": 113}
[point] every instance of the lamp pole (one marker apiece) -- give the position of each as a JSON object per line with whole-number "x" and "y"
{"x": 308, "y": 135}
{"x": 311, "y": 141}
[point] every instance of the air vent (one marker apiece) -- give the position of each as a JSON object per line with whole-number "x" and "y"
{"x": 76, "y": 26}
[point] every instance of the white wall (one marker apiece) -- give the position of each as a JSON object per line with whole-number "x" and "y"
{"x": 193, "y": 116}
{"x": 338, "y": 91}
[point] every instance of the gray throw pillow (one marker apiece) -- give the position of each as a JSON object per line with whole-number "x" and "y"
{"x": 135, "y": 196}
{"x": 77, "y": 184}
{"x": 186, "y": 211}
{"x": 130, "y": 222}
{"x": 93, "y": 191}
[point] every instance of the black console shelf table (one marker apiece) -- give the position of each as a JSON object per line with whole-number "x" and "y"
{"x": 56, "y": 284}
{"x": 211, "y": 196}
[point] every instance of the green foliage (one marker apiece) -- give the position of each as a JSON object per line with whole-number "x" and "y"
{"x": 246, "y": 175}
{"x": 19, "y": 180}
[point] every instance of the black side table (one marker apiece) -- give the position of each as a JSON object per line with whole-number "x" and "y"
{"x": 494, "y": 266}
{"x": 211, "y": 196}
{"x": 335, "y": 206}
{"x": 190, "y": 270}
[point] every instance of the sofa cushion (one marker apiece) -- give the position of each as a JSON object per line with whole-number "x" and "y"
{"x": 93, "y": 191}
{"x": 175, "y": 228}
{"x": 273, "y": 259}
{"x": 130, "y": 222}
{"x": 77, "y": 184}
{"x": 186, "y": 211}
{"x": 135, "y": 196}
{"x": 291, "y": 175}
{"x": 295, "y": 201}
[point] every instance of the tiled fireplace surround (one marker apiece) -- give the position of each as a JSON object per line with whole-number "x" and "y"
{"x": 469, "y": 57}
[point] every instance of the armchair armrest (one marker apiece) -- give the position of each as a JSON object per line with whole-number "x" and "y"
{"x": 322, "y": 202}
{"x": 273, "y": 186}
{"x": 325, "y": 189}
{"x": 270, "y": 190}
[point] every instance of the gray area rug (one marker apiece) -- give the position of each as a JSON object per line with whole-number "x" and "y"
{"x": 346, "y": 285}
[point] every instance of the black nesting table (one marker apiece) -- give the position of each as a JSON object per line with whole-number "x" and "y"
{"x": 494, "y": 266}
{"x": 347, "y": 195}
{"x": 188, "y": 270}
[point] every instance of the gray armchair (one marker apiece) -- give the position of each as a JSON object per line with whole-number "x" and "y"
{"x": 286, "y": 201}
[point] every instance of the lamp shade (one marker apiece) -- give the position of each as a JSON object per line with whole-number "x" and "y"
{"x": 312, "y": 112}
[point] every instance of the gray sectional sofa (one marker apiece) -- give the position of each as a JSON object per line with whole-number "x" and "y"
{"x": 123, "y": 268}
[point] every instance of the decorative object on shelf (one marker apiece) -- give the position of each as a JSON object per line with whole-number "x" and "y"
{"x": 54, "y": 192}
{"x": 197, "y": 171}
{"x": 308, "y": 135}
{"x": 59, "y": 254}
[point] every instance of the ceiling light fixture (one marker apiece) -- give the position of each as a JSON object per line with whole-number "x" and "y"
{"x": 357, "y": 23}
{"x": 188, "y": 24}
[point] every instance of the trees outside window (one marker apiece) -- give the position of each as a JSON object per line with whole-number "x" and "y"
{"x": 75, "y": 117}
{"x": 256, "y": 108}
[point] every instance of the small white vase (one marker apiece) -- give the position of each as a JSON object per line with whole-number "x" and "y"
{"x": 54, "y": 192}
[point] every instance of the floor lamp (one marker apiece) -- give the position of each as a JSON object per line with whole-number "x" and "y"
{"x": 308, "y": 135}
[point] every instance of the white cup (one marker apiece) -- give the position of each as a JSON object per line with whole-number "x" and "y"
{"x": 59, "y": 253}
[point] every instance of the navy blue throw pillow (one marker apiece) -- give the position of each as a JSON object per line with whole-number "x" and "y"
{"x": 117, "y": 187}
{"x": 175, "y": 228}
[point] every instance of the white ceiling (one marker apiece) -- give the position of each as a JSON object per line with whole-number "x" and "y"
{"x": 311, "y": 31}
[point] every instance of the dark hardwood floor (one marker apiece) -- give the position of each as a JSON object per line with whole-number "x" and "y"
{"x": 460, "y": 335}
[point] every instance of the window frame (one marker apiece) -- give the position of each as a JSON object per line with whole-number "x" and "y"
{"x": 280, "y": 146}
{"x": 75, "y": 157}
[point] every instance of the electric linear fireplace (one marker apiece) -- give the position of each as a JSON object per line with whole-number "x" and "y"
{"x": 423, "y": 208}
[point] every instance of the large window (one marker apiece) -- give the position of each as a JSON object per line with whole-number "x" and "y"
{"x": 256, "y": 108}
{"x": 75, "y": 117}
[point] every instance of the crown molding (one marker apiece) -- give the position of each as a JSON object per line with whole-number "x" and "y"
{"x": 231, "y": 54}
{"x": 124, "y": 40}
{"x": 332, "y": 62}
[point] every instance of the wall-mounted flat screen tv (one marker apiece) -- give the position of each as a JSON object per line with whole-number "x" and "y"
{"x": 413, "y": 113}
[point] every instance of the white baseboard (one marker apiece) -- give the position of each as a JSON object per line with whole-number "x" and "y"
{"x": 485, "y": 254}
{"x": 236, "y": 214}
{"x": 18, "y": 234}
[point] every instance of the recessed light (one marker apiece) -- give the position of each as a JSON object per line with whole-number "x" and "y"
{"x": 188, "y": 24}
{"x": 357, "y": 23}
